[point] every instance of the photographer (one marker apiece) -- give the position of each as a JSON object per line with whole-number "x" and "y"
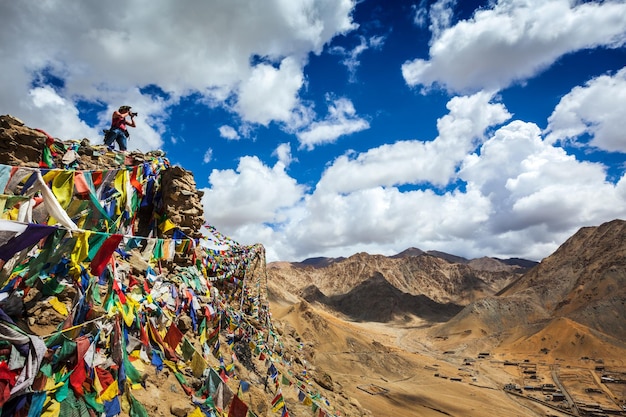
{"x": 118, "y": 132}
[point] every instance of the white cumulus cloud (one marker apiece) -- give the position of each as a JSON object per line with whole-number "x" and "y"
{"x": 341, "y": 120}
{"x": 418, "y": 162}
{"x": 512, "y": 41}
{"x": 253, "y": 193}
{"x": 228, "y": 132}
{"x": 598, "y": 109}
{"x": 104, "y": 54}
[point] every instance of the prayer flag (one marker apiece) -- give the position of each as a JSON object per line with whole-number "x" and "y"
{"x": 237, "y": 408}
{"x": 245, "y": 386}
{"x": 110, "y": 392}
{"x": 278, "y": 402}
{"x": 103, "y": 256}
{"x": 112, "y": 408}
{"x": 196, "y": 413}
{"x": 198, "y": 365}
{"x": 173, "y": 336}
{"x": 136, "y": 408}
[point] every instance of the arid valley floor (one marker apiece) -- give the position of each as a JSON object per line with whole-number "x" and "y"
{"x": 400, "y": 369}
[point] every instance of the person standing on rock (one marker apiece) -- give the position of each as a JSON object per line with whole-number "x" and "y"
{"x": 118, "y": 132}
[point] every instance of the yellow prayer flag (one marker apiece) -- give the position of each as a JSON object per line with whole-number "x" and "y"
{"x": 196, "y": 413}
{"x": 128, "y": 316}
{"x": 80, "y": 251}
{"x": 51, "y": 408}
{"x": 98, "y": 386}
{"x": 166, "y": 225}
{"x": 198, "y": 365}
{"x": 121, "y": 179}
{"x": 58, "y": 306}
{"x": 63, "y": 188}
{"x": 111, "y": 392}
{"x": 52, "y": 386}
{"x": 49, "y": 176}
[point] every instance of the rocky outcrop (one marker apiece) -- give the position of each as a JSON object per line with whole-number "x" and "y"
{"x": 181, "y": 203}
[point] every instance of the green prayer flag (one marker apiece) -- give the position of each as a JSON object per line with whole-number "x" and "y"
{"x": 96, "y": 240}
{"x": 187, "y": 349}
{"x": 68, "y": 348}
{"x": 90, "y": 400}
{"x": 61, "y": 394}
{"x": 52, "y": 287}
{"x": 46, "y": 158}
{"x": 46, "y": 369}
{"x": 73, "y": 407}
{"x": 181, "y": 378}
{"x": 157, "y": 253}
{"x": 131, "y": 372}
{"x": 285, "y": 381}
{"x": 136, "y": 408}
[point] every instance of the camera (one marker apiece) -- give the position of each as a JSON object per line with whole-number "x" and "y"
{"x": 133, "y": 114}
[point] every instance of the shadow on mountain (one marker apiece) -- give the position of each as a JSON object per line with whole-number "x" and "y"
{"x": 376, "y": 300}
{"x": 319, "y": 262}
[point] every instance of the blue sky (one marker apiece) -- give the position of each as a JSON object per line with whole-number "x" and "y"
{"x": 330, "y": 127}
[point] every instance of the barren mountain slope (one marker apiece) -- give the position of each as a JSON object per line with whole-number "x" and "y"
{"x": 373, "y": 368}
{"x": 582, "y": 281}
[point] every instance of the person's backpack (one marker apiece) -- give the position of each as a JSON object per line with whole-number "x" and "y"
{"x": 107, "y": 134}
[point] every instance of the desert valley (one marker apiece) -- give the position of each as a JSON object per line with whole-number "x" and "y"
{"x": 431, "y": 334}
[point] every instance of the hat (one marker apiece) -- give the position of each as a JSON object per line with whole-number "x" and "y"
{"x": 125, "y": 108}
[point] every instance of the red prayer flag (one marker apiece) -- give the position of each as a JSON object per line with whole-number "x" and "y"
{"x": 135, "y": 183}
{"x": 156, "y": 337}
{"x": 96, "y": 178}
{"x": 103, "y": 256}
{"x": 104, "y": 377}
{"x": 79, "y": 374}
{"x": 173, "y": 336}
{"x": 237, "y": 408}
{"x": 132, "y": 281}
{"x": 144, "y": 336}
{"x": 7, "y": 381}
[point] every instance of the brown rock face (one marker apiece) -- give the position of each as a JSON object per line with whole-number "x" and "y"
{"x": 182, "y": 201}
{"x": 19, "y": 145}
